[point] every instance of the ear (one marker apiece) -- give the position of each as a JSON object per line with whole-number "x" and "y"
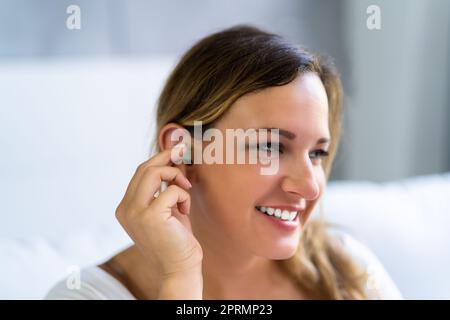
{"x": 172, "y": 134}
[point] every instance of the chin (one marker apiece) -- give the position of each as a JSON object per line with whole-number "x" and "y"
{"x": 282, "y": 251}
{"x": 283, "y": 255}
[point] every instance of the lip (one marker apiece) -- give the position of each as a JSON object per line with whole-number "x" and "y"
{"x": 285, "y": 207}
{"x": 282, "y": 224}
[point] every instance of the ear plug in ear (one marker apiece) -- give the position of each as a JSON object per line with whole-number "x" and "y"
{"x": 187, "y": 156}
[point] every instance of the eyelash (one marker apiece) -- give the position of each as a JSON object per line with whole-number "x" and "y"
{"x": 320, "y": 153}
{"x": 271, "y": 145}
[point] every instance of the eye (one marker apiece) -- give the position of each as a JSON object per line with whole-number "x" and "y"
{"x": 318, "y": 154}
{"x": 270, "y": 147}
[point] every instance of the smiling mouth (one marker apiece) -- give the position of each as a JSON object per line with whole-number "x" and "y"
{"x": 283, "y": 215}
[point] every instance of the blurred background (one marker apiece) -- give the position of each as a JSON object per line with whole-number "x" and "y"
{"x": 77, "y": 108}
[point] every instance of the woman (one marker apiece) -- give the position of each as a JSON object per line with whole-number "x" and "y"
{"x": 226, "y": 231}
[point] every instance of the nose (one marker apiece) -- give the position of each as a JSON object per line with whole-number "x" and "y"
{"x": 300, "y": 179}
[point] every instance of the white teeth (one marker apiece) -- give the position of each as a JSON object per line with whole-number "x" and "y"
{"x": 293, "y": 214}
{"x": 285, "y": 215}
{"x": 278, "y": 213}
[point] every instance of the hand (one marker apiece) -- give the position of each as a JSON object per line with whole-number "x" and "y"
{"x": 160, "y": 226}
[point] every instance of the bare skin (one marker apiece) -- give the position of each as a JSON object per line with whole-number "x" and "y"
{"x": 134, "y": 274}
{"x": 232, "y": 248}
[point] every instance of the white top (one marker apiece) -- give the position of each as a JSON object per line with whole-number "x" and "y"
{"x": 97, "y": 284}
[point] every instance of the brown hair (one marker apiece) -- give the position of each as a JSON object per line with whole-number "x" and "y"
{"x": 228, "y": 64}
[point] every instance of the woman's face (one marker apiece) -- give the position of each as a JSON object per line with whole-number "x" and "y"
{"x": 225, "y": 196}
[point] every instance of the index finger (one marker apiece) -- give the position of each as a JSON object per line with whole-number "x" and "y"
{"x": 168, "y": 156}
{"x": 160, "y": 159}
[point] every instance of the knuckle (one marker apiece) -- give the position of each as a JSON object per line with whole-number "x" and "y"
{"x": 119, "y": 212}
{"x": 141, "y": 167}
{"x": 124, "y": 212}
{"x": 160, "y": 169}
{"x": 156, "y": 171}
{"x": 174, "y": 188}
{"x": 147, "y": 168}
{"x": 151, "y": 171}
{"x": 175, "y": 170}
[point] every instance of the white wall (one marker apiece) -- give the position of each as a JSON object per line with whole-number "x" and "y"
{"x": 398, "y": 106}
{"x": 72, "y": 132}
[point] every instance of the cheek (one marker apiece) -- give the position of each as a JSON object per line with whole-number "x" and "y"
{"x": 230, "y": 189}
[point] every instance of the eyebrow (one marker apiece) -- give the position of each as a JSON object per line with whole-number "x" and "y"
{"x": 291, "y": 136}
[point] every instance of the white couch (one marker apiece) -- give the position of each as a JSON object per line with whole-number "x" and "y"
{"x": 72, "y": 133}
{"x": 406, "y": 223}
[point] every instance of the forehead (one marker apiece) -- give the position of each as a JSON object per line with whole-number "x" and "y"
{"x": 300, "y": 106}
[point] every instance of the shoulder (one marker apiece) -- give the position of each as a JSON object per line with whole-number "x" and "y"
{"x": 380, "y": 284}
{"x": 91, "y": 283}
